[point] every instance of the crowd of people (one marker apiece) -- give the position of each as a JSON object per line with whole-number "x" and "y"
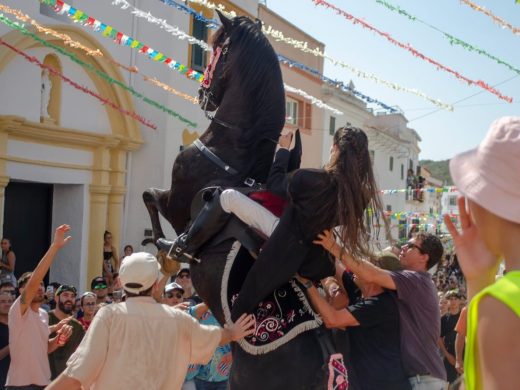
{"x": 416, "y": 317}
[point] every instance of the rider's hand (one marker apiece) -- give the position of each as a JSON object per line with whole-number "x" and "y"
{"x": 285, "y": 141}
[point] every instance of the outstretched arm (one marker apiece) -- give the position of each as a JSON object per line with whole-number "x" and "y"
{"x": 277, "y": 182}
{"x": 364, "y": 269}
{"x": 32, "y": 286}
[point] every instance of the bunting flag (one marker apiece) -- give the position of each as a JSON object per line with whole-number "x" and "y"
{"x": 436, "y": 190}
{"x": 495, "y": 18}
{"x": 54, "y": 72}
{"x": 453, "y": 40}
{"x": 173, "y": 30}
{"x": 181, "y": 35}
{"x": 416, "y": 53}
{"x": 304, "y": 47}
{"x": 338, "y": 84}
{"x": 312, "y": 99}
{"x": 78, "y": 16}
{"x": 67, "y": 40}
{"x": 94, "y": 70}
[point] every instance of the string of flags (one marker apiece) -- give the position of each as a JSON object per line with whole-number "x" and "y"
{"x": 98, "y": 72}
{"x": 436, "y": 190}
{"x": 453, "y": 40}
{"x": 80, "y": 17}
{"x": 495, "y": 18}
{"x": 81, "y": 88}
{"x": 412, "y": 50}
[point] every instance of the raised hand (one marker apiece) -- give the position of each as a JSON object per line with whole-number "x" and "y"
{"x": 285, "y": 140}
{"x": 328, "y": 241}
{"x": 59, "y": 236}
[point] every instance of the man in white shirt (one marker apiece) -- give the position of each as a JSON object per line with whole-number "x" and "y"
{"x": 29, "y": 329}
{"x": 142, "y": 344}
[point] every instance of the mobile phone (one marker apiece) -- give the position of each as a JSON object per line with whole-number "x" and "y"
{"x": 50, "y": 290}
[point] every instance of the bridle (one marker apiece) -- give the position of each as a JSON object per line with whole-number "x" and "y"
{"x": 207, "y": 95}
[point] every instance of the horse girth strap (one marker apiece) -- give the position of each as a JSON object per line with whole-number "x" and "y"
{"x": 214, "y": 158}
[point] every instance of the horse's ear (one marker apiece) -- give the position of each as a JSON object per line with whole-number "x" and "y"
{"x": 259, "y": 23}
{"x": 225, "y": 21}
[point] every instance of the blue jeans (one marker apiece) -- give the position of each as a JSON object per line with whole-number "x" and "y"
{"x": 203, "y": 385}
{"x": 427, "y": 382}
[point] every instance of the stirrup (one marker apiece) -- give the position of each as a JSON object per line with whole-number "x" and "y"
{"x": 178, "y": 254}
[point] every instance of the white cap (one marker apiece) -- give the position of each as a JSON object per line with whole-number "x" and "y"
{"x": 138, "y": 272}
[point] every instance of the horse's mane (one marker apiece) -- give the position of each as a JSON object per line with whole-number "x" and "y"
{"x": 257, "y": 69}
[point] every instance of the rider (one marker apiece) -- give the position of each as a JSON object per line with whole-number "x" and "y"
{"x": 337, "y": 195}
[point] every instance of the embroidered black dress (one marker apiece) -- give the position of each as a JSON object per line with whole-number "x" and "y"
{"x": 290, "y": 250}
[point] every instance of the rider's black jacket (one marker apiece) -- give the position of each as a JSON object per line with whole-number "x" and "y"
{"x": 312, "y": 208}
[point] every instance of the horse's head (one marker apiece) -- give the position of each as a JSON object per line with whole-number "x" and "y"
{"x": 212, "y": 88}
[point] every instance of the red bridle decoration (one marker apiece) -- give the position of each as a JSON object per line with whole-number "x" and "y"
{"x": 208, "y": 73}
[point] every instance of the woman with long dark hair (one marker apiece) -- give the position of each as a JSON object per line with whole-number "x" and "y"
{"x": 7, "y": 261}
{"x": 340, "y": 194}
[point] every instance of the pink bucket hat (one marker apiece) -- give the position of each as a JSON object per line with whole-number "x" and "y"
{"x": 490, "y": 174}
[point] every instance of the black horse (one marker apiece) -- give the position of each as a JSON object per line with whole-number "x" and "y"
{"x": 244, "y": 82}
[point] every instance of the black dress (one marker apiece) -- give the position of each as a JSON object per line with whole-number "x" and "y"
{"x": 312, "y": 196}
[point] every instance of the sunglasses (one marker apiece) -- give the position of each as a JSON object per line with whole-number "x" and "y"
{"x": 100, "y": 287}
{"x": 171, "y": 295}
{"x": 184, "y": 276}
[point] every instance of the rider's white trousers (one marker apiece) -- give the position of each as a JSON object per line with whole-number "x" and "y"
{"x": 249, "y": 211}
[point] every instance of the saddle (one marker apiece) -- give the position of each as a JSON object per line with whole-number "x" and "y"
{"x": 249, "y": 238}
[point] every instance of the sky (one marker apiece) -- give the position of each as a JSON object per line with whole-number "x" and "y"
{"x": 443, "y": 133}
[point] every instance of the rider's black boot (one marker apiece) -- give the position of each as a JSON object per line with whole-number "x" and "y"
{"x": 211, "y": 220}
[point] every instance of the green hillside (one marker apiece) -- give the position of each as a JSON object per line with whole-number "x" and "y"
{"x": 438, "y": 169}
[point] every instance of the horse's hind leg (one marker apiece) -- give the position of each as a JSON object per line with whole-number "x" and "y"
{"x": 155, "y": 201}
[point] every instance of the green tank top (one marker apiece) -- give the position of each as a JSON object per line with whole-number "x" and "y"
{"x": 507, "y": 291}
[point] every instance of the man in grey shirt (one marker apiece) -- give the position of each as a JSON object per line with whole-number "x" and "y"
{"x": 417, "y": 301}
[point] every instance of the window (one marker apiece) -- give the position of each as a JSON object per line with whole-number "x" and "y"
{"x": 198, "y": 60}
{"x": 332, "y": 125}
{"x": 291, "y": 111}
{"x": 391, "y": 163}
{"x": 402, "y": 171}
{"x": 389, "y": 208}
{"x": 453, "y": 200}
{"x": 411, "y": 165}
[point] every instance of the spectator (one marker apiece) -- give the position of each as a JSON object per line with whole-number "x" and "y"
{"x": 448, "y": 333}
{"x": 460, "y": 340}
{"x": 127, "y": 251}
{"x": 66, "y": 299}
{"x": 372, "y": 319}
{"x": 7, "y": 261}
{"x": 6, "y": 300}
{"x": 163, "y": 340}
{"x": 443, "y": 303}
{"x": 489, "y": 216}
{"x": 100, "y": 287}
{"x": 6, "y": 286}
{"x": 173, "y": 294}
{"x": 50, "y": 294}
{"x": 213, "y": 375}
{"x": 29, "y": 341}
{"x": 88, "y": 306}
{"x": 417, "y": 301}
{"x": 110, "y": 260}
{"x": 184, "y": 279}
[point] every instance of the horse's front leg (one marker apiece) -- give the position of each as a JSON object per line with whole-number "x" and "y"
{"x": 155, "y": 201}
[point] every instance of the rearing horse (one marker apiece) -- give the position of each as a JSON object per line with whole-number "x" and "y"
{"x": 245, "y": 84}
{"x": 244, "y": 81}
